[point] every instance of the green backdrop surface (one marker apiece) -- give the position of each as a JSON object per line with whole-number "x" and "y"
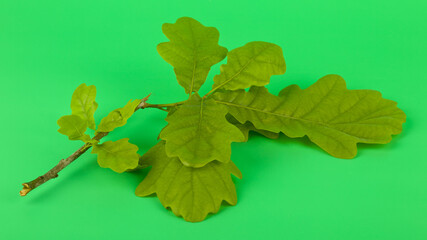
{"x": 291, "y": 189}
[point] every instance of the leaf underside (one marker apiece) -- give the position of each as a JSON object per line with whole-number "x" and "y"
{"x": 193, "y": 49}
{"x": 119, "y": 155}
{"x": 333, "y": 117}
{"x": 83, "y": 104}
{"x": 248, "y": 126}
{"x": 250, "y": 65}
{"x": 199, "y": 133}
{"x": 192, "y": 193}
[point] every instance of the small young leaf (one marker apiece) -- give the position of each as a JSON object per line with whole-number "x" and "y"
{"x": 118, "y": 117}
{"x": 119, "y": 155}
{"x": 250, "y": 65}
{"x": 83, "y": 103}
{"x": 192, "y": 193}
{"x": 334, "y": 118}
{"x": 198, "y": 133}
{"x": 74, "y": 127}
{"x": 193, "y": 49}
{"x": 248, "y": 126}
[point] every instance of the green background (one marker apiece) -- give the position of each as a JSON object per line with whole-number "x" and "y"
{"x": 291, "y": 189}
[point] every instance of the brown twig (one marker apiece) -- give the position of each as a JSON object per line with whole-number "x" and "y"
{"x": 163, "y": 106}
{"x": 53, "y": 173}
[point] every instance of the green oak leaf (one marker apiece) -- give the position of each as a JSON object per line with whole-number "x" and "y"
{"x": 198, "y": 132}
{"x": 119, "y": 155}
{"x": 171, "y": 111}
{"x": 193, "y": 49}
{"x": 118, "y": 117}
{"x": 250, "y": 65}
{"x": 333, "y": 117}
{"x": 74, "y": 127}
{"x": 248, "y": 126}
{"x": 83, "y": 103}
{"x": 192, "y": 193}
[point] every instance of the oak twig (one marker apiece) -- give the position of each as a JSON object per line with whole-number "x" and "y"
{"x": 163, "y": 106}
{"x": 53, "y": 173}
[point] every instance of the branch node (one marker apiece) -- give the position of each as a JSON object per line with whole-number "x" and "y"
{"x": 143, "y": 103}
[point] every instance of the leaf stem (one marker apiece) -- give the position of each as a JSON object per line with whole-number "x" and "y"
{"x": 212, "y": 91}
{"x": 163, "y": 106}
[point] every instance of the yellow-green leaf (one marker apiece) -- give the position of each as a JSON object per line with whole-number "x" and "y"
{"x": 74, "y": 127}
{"x": 333, "y": 117}
{"x": 198, "y": 132}
{"x": 193, "y": 49}
{"x": 119, "y": 155}
{"x": 118, "y": 117}
{"x": 192, "y": 193}
{"x": 250, "y": 65}
{"x": 83, "y": 103}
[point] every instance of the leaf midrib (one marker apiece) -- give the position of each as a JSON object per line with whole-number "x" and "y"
{"x": 290, "y": 117}
{"x": 72, "y": 123}
{"x": 83, "y": 103}
{"x": 243, "y": 68}
{"x": 194, "y": 60}
{"x": 199, "y": 125}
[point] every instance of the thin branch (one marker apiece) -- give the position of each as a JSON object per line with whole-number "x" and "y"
{"x": 53, "y": 173}
{"x": 163, "y": 106}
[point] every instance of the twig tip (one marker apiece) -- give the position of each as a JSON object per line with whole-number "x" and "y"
{"x": 25, "y": 190}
